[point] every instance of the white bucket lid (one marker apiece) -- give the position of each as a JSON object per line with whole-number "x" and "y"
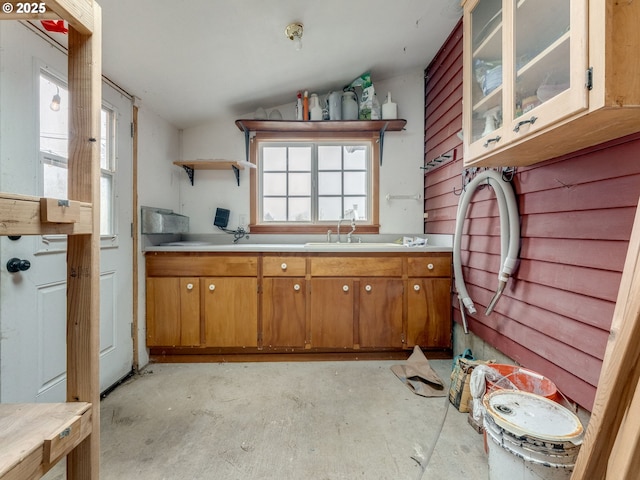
{"x": 531, "y": 415}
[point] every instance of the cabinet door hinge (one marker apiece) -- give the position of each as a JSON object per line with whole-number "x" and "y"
{"x": 589, "y": 78}
{"x": 132, "y": 331}
{"x": 132, "y": 130}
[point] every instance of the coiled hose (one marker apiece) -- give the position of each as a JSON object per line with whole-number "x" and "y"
{"x": 509, "y": 238}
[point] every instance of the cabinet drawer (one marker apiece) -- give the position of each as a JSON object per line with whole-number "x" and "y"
{"x": 283, "y": 266}
{"x": 356, "y": 266}
{"x": 431, "y": 266}
{"x": 201, "y": 265}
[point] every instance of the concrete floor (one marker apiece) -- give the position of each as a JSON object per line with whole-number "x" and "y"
{"x": 311, "y": 420}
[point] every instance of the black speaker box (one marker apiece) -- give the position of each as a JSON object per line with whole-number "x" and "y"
{"x": 222, "y": 217}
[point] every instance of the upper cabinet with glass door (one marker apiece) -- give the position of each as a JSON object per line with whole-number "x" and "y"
{"x": 543, "y": 78}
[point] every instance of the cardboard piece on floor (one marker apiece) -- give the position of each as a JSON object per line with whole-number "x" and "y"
{"x": 418, "y": 375}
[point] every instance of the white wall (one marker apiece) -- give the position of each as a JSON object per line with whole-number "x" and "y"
{"x": 158, "y": 179}
{"x": 400, "y": 172}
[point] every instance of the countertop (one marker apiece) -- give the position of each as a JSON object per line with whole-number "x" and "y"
{"x": 296, "y": 247}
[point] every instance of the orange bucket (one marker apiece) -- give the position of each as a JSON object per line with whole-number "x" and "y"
{"x": 525, "y": 380}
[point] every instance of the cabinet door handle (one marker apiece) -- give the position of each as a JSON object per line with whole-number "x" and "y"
{"x": 189, "y": 286}
{"x": 345, "y": 288}
{"x": 531, "y": 121}
{"x": 416, "y": 287}
{"x": 296, "y": 287}
{"x": 367, "y": 288}
{"x": 491, "y": 140}
{"x": 212, "y": 287}
{"x": 283, "y": 266}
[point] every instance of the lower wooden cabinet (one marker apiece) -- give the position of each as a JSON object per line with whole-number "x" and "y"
{"x": 428, "y": 315}
{"x": 380, "y": 312}
{"x": 332, "y": 308}
{"x": 173, "y": 311}
{"x": 284, "y": 312}
{"x": 288, "y": 302}
{"x": 230, "y": 313}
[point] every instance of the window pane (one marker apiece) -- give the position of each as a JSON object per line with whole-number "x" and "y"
{"x": 329, "y": 183}
{"x": 106, "y": 139}
{"x": 355, "y": 183}
{"x": 329, "y": 208}
{"x": 274, "y": 184}
{"x": 54, "y": 126}
{"x": 300, "y": 158}
{"x": 55, "y": 180}
{"x": 360, "y": 206}
{"x": 106, "y": 210}
{"x": 329, "y": 157}
{"x": 274, "y": 158}
{"x": 299, "y": 209}
{"x": 300, "y": 184}
{"x": 355, "y": 158}
{"x": 274, "y": 209}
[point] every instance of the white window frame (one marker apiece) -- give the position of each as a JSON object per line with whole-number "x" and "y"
{"x": 369, "y": 225}
{"x": 52, "y": 243}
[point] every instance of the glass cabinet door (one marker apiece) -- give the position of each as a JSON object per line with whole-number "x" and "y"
{"x": 486, "y": 20}
{"x": 542, "y": 53}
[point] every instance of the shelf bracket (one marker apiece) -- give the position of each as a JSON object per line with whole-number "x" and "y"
{"x": 382, "y": 130}
{"x": 236, "y": 170}
{"x": 247, "y": 141}
{"x": 189, "y": 171}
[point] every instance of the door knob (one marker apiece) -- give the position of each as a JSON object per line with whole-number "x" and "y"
{"x": 16, "y": 265}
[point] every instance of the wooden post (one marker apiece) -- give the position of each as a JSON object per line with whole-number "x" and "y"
{"x": 83, "y": 251}
{"x": 619, "y": 374}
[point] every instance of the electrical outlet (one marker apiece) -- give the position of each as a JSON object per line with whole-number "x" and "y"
{"x": 242, "y": 221}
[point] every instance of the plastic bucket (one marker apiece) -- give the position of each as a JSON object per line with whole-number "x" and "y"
{"x": 530, "y": 437}
{"x": 524, "y": 380}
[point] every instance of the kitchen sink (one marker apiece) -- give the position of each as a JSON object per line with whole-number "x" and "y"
{"x": 352, "y": 245}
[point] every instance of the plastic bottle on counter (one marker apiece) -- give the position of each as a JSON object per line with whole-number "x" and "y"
{"x": 305, "y": 106}
{"x": 299, "y": 107}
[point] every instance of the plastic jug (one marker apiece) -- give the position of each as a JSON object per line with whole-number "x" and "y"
{"x": 389, "y": 109}
{"x": 335, "y": 106}
{"x": 349, "y": 106}
{"x": 315, "y": 110}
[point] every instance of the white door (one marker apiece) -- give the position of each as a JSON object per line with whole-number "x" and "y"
{"x": 33, "y": 302}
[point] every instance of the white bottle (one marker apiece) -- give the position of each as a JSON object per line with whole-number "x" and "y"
{"x": 389, "y": 109}
{"x": 315, "y": 110}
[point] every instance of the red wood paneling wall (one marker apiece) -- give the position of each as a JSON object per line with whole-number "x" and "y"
{"x": 576, "y": 217}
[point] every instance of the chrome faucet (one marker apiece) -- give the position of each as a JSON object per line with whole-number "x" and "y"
{"x": 339, "y": 222}
{"x": 353, "y": 229}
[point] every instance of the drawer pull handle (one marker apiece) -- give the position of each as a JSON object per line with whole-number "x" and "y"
{"x": 296, "y": 287}
{"x": 416, "y": 287}
{"x": 212, "y": 287}
{"x": 430, "y": 266}
{"x": 283, "y": 266}
{"x": 65, "y": 433}
{"x": 189, "y": 286}
{"x": 491, "y": 140}
{"x": 367, "y": 288}
{"x": 531, "y": 121}
{"x": 345, "y": 288}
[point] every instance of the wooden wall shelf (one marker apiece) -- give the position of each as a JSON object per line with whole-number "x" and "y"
{"x": 190, "y": 166}
{"x": 295, "y": 127}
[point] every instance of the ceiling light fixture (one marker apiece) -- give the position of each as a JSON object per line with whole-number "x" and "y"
{"x": 294, "y": 33}
{"x": 55, "y": 101}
